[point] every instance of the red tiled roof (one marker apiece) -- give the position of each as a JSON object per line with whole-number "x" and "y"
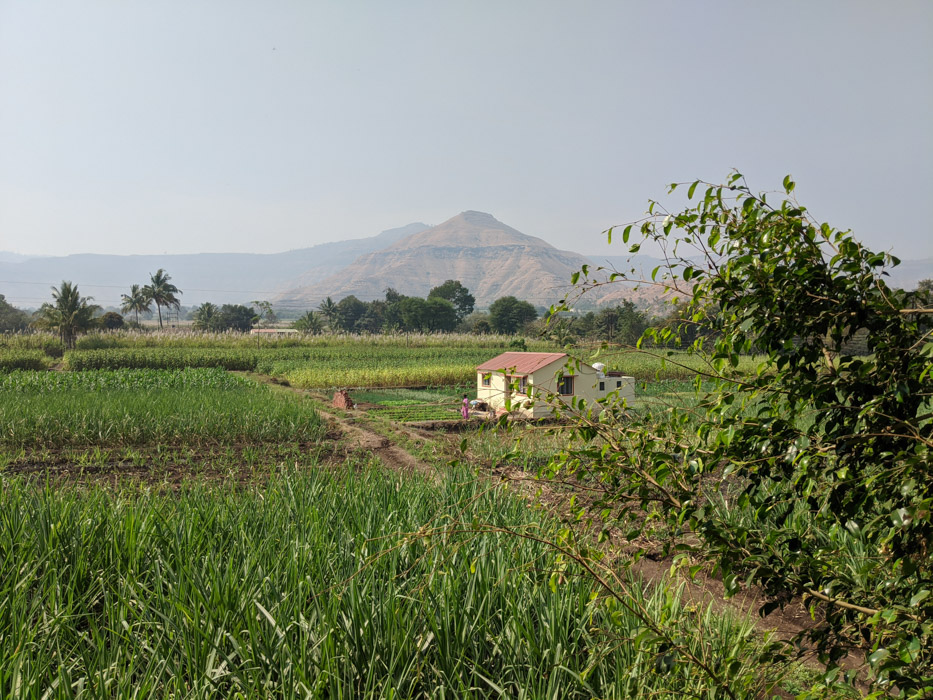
{"x": 521, "y": 362}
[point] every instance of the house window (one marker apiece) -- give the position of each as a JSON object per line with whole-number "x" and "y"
{"x": 618, "y": 384}
{"x": 602, "y": 386}
{"x": 565, "y": 386}
{"x": 523, "y": 385}
{"x": 487, "y": 379}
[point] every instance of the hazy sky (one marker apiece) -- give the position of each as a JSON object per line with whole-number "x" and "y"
{"x": 193, "y": 126}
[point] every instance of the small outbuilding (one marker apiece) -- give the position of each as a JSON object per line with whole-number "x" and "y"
{"x": 518, "y": 377}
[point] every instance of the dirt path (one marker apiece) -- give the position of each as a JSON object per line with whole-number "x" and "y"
{"x": 786, "y": 623}
{"x": 359, "y": 438}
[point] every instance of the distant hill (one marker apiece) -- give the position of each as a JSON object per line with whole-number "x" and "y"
{"x": 489, "y": 257}
{"x": 218, "y": 277}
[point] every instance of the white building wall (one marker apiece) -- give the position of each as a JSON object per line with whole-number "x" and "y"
{"x": 544, "y": 384}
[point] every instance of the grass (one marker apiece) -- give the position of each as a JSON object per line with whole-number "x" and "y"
{"x": 309, "y": 586}
{"x": 14, "y": 359}
{"x": 407, "y": 405}
{"x": 309, "y": 367}
{"x": 658, "y": 364}
{"x": 140, "y": 407}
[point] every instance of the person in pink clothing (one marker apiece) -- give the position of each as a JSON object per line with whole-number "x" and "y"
{"x": 465, "y": 408}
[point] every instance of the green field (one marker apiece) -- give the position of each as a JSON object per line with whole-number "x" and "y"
{"x": 203, "y": 537}
{"x": 311, "y": 586}
{"x": 146, "y": 407}
{"x": 407, "y": 405}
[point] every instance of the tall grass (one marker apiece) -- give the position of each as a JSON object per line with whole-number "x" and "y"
{"x": 661, "y": 364}
{"x": 201, "y": 339}
{"x": 324, "y": 366}
{"x": 23, "y": 359}
{"x": 308, "y": 587}
{"x": 200, "y": 407}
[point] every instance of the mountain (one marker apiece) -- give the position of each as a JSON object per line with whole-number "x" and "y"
{"x": 218, "y": 277}
{"x": 490, "y": 258}
{"x": 7, "y": 256}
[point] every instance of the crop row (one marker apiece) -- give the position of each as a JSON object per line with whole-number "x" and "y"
{"x": 11, "y": 360}
{"x": 667, "y": 364}
{"x": 51, "y": 343}
{"x": 183, "y": 408}
{"x": 123, "y": 379}
{"x": 309, "y": 587}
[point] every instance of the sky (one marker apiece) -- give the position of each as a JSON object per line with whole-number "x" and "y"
{"x": 233, "y": 126}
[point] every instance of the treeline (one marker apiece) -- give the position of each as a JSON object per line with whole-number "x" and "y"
{"x": 448, "y": 307}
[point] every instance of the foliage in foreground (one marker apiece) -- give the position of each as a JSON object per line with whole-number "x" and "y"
{"x": 813, "y": 478}
{"x": 311, "y": 587}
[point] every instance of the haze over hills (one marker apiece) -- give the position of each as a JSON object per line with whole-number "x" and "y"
{"x": 217, "y": 277}
{"x": 490, "y": 258}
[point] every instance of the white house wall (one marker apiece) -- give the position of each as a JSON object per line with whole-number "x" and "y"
{"x": 544, "y": 381}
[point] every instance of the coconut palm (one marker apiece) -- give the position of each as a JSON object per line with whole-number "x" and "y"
{"x": 162, "y": 292}
{"x": 330, "y": 311}
{"x": 137, "y": 300}
{"x": 206, "y": 317}
{"x": 309, "y": 322}
{"x": 69, "y": 315}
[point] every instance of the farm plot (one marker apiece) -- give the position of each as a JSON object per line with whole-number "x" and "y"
{"x": 383, "y": 367}
{"x": 407, "y": 405}
{"x": 148, "y": 407}
{"x": 320, "y": 367}
{"x": 355, "y": 583}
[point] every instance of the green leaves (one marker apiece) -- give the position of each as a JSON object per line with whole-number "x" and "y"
{"x": 823, "y": 474}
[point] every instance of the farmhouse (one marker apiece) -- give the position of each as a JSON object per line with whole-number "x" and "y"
{"x": 274, "y": 332}
{"x": 518, "y": 377}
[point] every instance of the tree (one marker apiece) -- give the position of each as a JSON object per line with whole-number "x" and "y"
{"x": 137, "y": 300}
{"x": 111, "y": 321}
{"x": 412, "y": 313}
{"x": 235, "y": 317}
{"x": 924, "y": 292}
{"x": 265, "y": 313}
{"x": 623, "y": 323}
{"x": 70, "y": 314}
{"x": 308, "y": 322}
{"x": 812, "y": 477}
{"x": 508, "y": 314}
{"x": 11, "y": 318}
{"x": 442, "y": 316}
{"x": 328, "y": 310}
{"x": 162, "y": 292}
{"x": 458, "y": 295}
{"x": 349, "y": 311}
{"x": 207, "y": 317}
{"x": 374, "y": 319}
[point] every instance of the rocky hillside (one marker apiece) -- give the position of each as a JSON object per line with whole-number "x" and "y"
{"x": 487, "y": 256}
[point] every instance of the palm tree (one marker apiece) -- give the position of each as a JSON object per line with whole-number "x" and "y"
{"x": 206, "y": 316}
{"x": 69, "y": 315}
{"x": 162, "y": 292}
{"x": 308, "y": 323}
{"x": 137, "y": 300}
{"x": 330, "y": 311}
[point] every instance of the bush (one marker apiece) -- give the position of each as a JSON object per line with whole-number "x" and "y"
{"x": 812, "y": 478}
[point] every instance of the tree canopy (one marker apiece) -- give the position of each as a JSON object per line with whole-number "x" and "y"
{"x": 69, "y": 314}
{"x": 508, "y": 314}
{"x": 161, "y": 290}
{"x": 11, "y": 318}
{"x": 458, "y": 295}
